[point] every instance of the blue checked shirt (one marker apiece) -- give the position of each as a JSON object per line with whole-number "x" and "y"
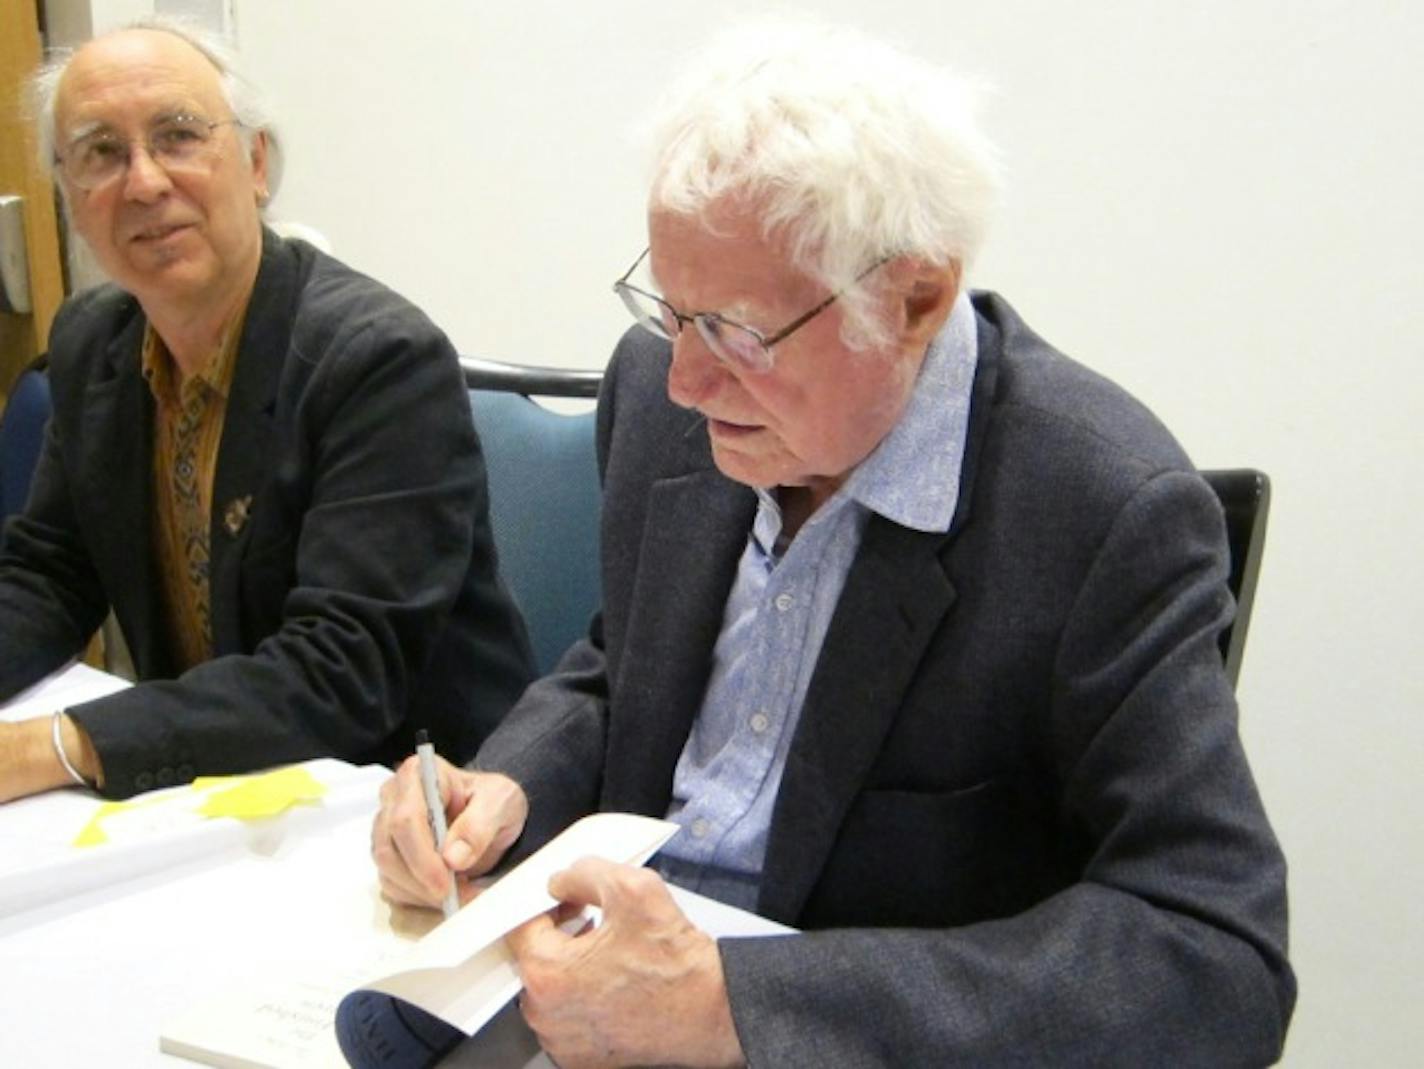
{"x": 780, "y": 606}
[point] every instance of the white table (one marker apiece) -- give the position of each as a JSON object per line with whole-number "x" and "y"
{"x": 99, "y": 946}
{"x": 123, "y": 943}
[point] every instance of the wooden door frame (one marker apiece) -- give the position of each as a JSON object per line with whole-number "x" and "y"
{"x": 22, "y": 337}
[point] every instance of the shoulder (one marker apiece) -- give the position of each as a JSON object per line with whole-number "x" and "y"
{"x": 1042, "y": 393}
{"x": 323, "y": 343}
{"x": 1060, "y": 457}
{"x": 86, "y": 322}
{"x": 1047, "y": 421}
{"x": 323, "y": 329}
{"x": 336, "y": 305}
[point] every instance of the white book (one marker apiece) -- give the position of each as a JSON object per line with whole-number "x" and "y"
{"x": 64, "y": 844}
{"x": 459, "y": 971}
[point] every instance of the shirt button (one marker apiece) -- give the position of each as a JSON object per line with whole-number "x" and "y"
{"x": 699, "y": 828}
{"x": 760, "y": 722}
{"x": 784, "y": 602}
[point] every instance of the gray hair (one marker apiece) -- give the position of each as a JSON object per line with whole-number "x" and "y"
{"x": 851, "y": 151}
{"x": 243, "y": 97}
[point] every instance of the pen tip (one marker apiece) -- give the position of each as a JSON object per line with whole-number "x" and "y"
{"x": 422, "y": 737}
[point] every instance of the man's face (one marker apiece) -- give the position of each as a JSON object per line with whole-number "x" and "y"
{"x": 179, "y": 241}
{"x": 822, "y": 408}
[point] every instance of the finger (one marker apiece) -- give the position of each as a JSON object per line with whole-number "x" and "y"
{"x": 490, "y": 822}
{"x": 473, "y": 844}
{"x": 587, "y": 882}
{"x": 410, "y": 864}
{"x": 396, "y": 880}
{"x": 531, "y": 939}
{"x": 405, "y": 891}
{"x": 618, "y": 890}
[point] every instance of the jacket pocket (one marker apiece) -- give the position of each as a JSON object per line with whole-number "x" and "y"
{"x": 932, "y": 858}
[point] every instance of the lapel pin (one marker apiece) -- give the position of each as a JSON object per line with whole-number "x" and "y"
{"x": 235, "y": 514}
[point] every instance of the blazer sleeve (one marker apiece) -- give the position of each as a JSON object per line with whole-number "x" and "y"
{"x": 1169, "y": 949}
{"x": 51, "y": 599}
{"x": 368, "y": 537}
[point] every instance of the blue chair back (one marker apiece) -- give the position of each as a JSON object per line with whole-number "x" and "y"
{"x": 544, "y": 499}
{"x": 22, "y": 426}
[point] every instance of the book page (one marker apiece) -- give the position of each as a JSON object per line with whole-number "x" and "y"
{"x": 457, "y": 969}
{"x": 462, "y": 972}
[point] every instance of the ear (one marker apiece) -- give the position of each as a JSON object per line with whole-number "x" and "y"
{"x": 926, "y": 293}
{"x": 259, "y": 166}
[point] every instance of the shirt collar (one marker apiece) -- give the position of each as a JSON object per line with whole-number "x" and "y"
{"x": 912, "y": 476}
{"x": 161, "y": 373}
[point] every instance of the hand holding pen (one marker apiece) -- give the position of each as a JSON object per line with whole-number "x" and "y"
{"x": 486, "y": 813}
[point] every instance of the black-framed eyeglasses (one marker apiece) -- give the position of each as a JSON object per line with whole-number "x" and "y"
{"x": 174, "y": 142}
{"x": 731, "y": 342}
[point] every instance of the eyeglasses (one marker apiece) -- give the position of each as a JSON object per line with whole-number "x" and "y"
{"x": 175, "y": 143}
{"x": 731, "y": 342}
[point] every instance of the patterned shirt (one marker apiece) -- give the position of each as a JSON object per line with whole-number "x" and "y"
{"x": 187, "y": 428}
{"x": 777, "y": 615}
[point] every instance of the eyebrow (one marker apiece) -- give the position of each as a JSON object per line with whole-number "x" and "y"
{"x": 739, "y": 312}
{"x": 88, "y": 129}
{"x": 101, "y": 126}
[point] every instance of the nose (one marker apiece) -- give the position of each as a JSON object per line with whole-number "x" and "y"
{"x": 144, "y": 180}
{"x": 695, "y": 371}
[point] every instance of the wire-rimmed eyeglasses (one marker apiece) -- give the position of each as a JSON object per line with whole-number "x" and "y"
{"x": 174, "y": 142}
{"x": 731, "y": 342}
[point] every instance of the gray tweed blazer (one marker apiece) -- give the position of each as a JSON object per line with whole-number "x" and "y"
{"x": 1016, "y": 822}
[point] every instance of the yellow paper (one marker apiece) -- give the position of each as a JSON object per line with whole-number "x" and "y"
{"x": 247, "y": 798}
{"x": 265, "y": 795}
{"x": 93, "y": 834}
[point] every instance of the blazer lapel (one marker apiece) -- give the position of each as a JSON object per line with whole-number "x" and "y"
{"x": 895, "y": 597}
{"x": 897, "y": 592}
{"x": 118, "y": 457}
{"x": 247, "y": 432}
{"x": 690, "y": 548}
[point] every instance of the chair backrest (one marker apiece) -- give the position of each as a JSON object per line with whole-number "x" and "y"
{"x": 22, "y": 426}
{"x": 544, "y": 496}
{"x": 1246, "y": 498}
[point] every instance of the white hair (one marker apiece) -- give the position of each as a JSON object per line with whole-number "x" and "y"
{"x": 243, "y": 98}
{"x": 850, "y": 150}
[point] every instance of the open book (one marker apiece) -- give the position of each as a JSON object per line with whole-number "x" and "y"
{"x": 459, "y": 971}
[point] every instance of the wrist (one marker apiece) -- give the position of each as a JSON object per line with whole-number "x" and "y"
{"x": 721, "y": 1048}
{"x": 74, "y": 751}
{"x": 56, "y": 739}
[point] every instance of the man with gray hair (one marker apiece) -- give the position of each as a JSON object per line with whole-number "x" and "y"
{"x": 908, "y": 620}
{"x": 262, "y": 461}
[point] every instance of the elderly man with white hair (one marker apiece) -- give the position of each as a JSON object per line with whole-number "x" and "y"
{"x": 260, "y": 459}
{"x": 909, "y": 621}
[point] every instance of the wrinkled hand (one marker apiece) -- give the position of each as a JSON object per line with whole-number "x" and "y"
{"x": 644, "y": 987}
{"x": 485, "y": 812}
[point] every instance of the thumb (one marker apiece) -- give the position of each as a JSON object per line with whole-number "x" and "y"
{"x": 478, "y": 839}
{"x": 587, "y": 882}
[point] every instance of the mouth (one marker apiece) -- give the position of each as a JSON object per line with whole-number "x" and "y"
{"x": 158, "y": 233}
{"x": 723, "y": 429}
